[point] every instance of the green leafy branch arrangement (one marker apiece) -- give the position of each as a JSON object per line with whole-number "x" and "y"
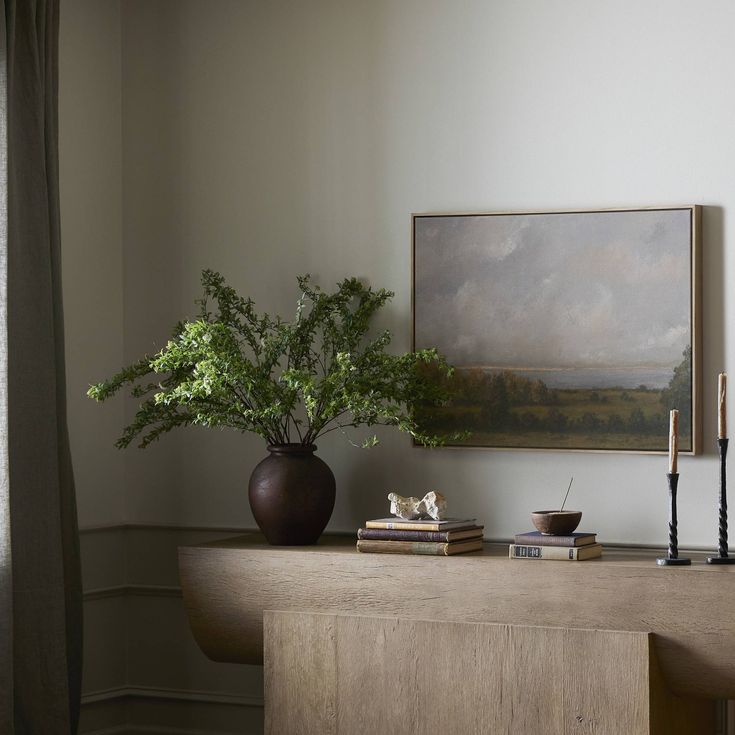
{"x": 289, "y": 382}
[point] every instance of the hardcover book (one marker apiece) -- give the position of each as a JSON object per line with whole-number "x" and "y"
{"x": 401, "y": 524}
{"x": 536, "y": 538}
{"x": 419, "y": 547}
{"x": 558, "y": 553}
{"x": 380, "y": 534}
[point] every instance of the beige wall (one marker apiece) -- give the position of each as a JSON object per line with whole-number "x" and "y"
{"x": 90, "y": 145}
{"x": 271, "y": 139}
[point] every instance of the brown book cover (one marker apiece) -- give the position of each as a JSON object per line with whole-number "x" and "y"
{"x": 382, "y": 534}
{"x": 419, "y": 547}
{"x": 536, "y": 538}
{"x": 555, "y": 553}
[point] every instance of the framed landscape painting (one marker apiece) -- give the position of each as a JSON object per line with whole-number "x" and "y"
{"x": 568, "y": 330}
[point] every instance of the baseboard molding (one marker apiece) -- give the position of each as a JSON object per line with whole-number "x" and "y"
{"x": 176, "y": 695}
{"x": 138, "y": 710}
{"x": 157, "y": 730}
{"x": 153, "y": 730}
{"x": 136, "y": 590}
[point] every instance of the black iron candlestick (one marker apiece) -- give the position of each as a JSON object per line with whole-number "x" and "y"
{"x": 722, "y": 557}
{"x": 673, "y": 558}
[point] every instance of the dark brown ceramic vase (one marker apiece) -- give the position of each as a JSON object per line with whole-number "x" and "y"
{"x": 292, "y": 495}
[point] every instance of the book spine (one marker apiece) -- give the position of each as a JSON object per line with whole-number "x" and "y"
{"x": 554, "y": 541}
{"x": 378, "y": 534}
{"x": 390, "y": 526}
{"x": 399, "y": 524}
{"x": 572, "y": 553}
{"x": 402, "y": 547}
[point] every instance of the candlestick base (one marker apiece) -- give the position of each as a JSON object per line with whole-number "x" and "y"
{"x": 680, "y": 561}
{"x": 721, "y": 560}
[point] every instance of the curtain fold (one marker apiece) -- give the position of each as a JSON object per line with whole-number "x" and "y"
{"x": 40, "y": 585}
{"x": 6, "y": 577}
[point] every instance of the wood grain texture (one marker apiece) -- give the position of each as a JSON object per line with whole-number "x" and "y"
{"x": 228, "y": 584}
{"x": 335, "y": 674}
{"x": 300, "y": 650}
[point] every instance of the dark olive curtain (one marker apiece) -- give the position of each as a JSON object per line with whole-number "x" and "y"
{"x": 40, "y": 589}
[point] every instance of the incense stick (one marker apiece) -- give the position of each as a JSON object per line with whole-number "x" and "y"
{"x": 567, "y": 495}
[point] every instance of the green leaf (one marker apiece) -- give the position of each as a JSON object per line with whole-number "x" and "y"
{"x": 233, "y": 367}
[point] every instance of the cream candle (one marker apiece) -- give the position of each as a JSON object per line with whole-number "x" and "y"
{"x": 673, "y": 441}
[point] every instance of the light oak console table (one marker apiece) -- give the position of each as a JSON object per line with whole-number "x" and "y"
{"x": 577, "y": 646}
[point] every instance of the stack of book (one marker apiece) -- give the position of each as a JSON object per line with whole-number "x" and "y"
{"x": 537, "y": 545}
{"x": 437, "y": 538}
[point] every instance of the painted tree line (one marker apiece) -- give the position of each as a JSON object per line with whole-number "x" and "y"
{"x": 506, "y": 401}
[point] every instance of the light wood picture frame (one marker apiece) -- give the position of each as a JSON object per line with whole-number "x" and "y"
{"x": 569, "y": 330}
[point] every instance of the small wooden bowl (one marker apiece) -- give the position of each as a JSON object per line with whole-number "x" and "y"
{"x": 556, "y": 522}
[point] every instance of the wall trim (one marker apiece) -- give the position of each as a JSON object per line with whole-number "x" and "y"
{"x": 176, "y": 695}
{"x": 159, "y": 730}
{"x": 155, "y": 730}
{"x": 133, "y": 590}
{"x": 163, "y": 527}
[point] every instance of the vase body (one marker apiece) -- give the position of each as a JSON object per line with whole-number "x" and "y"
{"x": 292, "y": 495}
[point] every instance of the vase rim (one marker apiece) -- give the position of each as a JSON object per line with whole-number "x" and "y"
{"x": 292, "y": 448}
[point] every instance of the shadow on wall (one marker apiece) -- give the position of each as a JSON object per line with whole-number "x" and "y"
{"x": 712, "y": 316}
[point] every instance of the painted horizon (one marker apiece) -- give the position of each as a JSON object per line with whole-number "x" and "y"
{"x": 568, "y": 330}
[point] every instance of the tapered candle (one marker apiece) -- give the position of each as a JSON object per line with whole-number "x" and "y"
{"x": 673, "y": 441}
{"x": 722, "y": 403}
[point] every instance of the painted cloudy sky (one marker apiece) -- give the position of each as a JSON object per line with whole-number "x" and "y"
{"x": 554, "y": 290}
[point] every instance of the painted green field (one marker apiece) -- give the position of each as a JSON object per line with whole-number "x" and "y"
{"x": 500, "y": 408}
{"x": 611, "y": 418}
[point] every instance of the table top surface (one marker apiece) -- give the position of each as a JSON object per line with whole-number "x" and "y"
{"x": 345, "y": 544}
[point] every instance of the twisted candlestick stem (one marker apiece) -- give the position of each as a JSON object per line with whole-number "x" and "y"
{"x": 673, "y": 559}
{"x": 673, "y": 521}
{"x": 723, "y": 550}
